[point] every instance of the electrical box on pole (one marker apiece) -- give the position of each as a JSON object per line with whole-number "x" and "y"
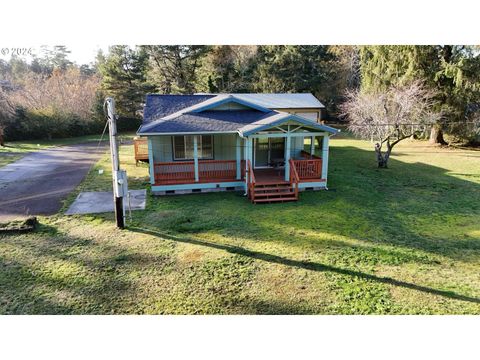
{"x": 120, "y": 186}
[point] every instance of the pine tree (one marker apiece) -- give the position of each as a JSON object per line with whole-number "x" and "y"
{"x": 227, "y": 69}
{"x": 124, "y": 78}
{"x": 173, "y": 68}
{"x": 292, "y": 68}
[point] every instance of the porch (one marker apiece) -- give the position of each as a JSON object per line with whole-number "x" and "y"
{"x": 269, "y": 166}
{"x": 308, "y": 168}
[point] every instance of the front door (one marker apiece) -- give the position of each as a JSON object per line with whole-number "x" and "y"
{"x": 268, "y": 151}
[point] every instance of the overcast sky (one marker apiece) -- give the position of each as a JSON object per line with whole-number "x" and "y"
{"x": 80, "y": 53}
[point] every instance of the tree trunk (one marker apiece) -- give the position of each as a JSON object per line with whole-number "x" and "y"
{"x": 382, "y": 158}
{"x": 436, "y": 135}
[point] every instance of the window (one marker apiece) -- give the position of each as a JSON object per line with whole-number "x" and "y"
{"x": 183, "y": 147}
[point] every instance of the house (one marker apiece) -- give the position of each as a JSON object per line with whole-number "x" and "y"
{"x": 271, "y": 146}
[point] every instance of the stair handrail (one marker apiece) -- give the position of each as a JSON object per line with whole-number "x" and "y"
{"x": 250, "y": 180}
{"x": 294, "y": 178}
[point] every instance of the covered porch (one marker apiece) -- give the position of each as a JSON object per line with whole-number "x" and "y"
{"x": 268, "y": 161}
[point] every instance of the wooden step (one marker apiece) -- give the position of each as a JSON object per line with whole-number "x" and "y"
{"x": 272, "y": 189}
{"x": 259, "y": 195}
{"x": 282, "y": 199}
{"x": 270, "y": 183}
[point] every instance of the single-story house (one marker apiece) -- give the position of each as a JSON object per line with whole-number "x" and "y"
{"x": 271, "y": 146}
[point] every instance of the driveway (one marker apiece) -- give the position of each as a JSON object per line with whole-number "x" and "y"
{"x": 37, "y": 183}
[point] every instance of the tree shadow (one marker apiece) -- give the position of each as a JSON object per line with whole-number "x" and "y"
{"x": 307, "y": 265}
{"x": 57, "y": 273}
{"x": 413, "y": 206}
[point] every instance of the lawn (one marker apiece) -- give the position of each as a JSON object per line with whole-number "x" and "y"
{"x": 405, "y": 240}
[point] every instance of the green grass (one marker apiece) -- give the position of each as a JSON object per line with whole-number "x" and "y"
{"x": 404, "y": 240}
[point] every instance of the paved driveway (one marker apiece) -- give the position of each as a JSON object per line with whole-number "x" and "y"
{"x": 37, "y": 183}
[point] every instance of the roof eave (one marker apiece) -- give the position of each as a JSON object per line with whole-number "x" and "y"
{"x": 287, "y": 117}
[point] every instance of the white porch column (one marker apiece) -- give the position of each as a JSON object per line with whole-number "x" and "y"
{"x": 150, "y": 160}
{"x": 195, "y": 156}
{"x": 312, "y": 146}
{"x": 238, "y": 155}
{"x": 325, "y": 157}
{"x": 287, "y": 158}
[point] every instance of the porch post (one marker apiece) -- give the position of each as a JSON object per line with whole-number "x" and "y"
{"x": 287, "y": 158}
{"x": 312, "y": 146}
{"x": 195, "y": 156}
{"x": 238, "y": 155}
{"x": 325, "y": 157}
{"x": 150, "y": 160}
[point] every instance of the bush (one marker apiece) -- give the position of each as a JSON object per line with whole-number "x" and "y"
{"x": 48, "y": 123}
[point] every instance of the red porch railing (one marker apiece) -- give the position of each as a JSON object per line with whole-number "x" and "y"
{"x": 294, "y": 177}
{"x": 183, "y": 172}
{"x": 174, "y": 172}
{"x": 309, "y": 169}
{"x": 217, "y": 170}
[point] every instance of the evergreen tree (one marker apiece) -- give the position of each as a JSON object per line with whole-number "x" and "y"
{"x": 124, "y": 78}
{"x": 291, "y": 68}
{"x": 452, "y": 71}
{"x": 227, "y": 68}
{"x": 173, "y": 68}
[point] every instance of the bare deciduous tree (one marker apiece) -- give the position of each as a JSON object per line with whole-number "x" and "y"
{"x": 68, "y": 91}
{"x": 390, "y": 116}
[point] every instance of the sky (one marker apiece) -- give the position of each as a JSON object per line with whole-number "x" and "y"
{"x": 80, "y": 53}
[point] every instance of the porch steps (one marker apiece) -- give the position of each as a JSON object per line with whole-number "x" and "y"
{"x": 273, "y": 192}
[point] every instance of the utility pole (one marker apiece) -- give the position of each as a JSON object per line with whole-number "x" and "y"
{"x": 119, "y": 176}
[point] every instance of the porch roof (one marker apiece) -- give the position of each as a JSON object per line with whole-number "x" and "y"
{"x": 280, "y": 118}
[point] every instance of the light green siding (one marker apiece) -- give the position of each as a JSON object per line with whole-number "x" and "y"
{"x": 231, "y": 106}
{"x": 162, "y": 148}
{"x": 224, "y": 147}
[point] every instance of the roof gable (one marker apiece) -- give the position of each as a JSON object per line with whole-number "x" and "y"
{"x": 279, "y": 119}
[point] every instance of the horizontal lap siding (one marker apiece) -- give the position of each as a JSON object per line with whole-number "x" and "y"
{"x": 162, "y": 148}
{"x": 225, "y": 146}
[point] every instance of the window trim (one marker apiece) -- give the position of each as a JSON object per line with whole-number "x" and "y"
{"x": 185, "y": 149}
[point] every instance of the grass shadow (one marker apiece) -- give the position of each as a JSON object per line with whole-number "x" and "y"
{"x": 307, "y": 265}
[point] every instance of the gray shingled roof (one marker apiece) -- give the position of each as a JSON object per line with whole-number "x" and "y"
{"x": 158, "y": 106}
{"x": 192, "y": 114}
{"x": 207, "y": 121}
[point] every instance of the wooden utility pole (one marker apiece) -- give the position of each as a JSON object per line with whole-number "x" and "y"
{"x": 119, "y": 176}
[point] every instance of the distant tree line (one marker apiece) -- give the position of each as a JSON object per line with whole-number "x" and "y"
{"x": 51, "y": 96}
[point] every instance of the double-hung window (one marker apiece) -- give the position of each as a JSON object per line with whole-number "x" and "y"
{"x": 183, "y": 147}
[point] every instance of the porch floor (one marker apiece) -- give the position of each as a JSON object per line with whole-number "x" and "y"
{"x": 269, "y": 175}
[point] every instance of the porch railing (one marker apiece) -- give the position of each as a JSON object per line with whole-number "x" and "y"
{"x": 294, "y": 177}
{"x": 183, "y": 172}
{"x": 250, "y": 181}
{"x": 217, "y": 170}
{"x": 310, "y": 168}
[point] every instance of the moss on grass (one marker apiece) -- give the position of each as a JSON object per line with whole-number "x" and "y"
{"x": 404, "y": 240}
